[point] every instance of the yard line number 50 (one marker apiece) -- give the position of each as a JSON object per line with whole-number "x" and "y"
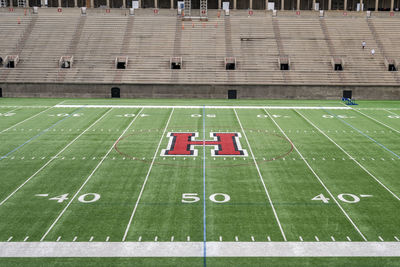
{"x": 216, "y": 198}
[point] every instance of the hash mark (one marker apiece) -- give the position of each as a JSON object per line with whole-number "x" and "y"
{"x": 220, "y": 238}
{"x": 172, "y": 238}
{"x": 301, "y": 238}
{"x": 75, "y": 238}
{"x": 9, "y": 239}
{"x": 380, "y": 238}
{"x": 348, "y": 238}
{"x": 333, "y": 239}
{"x": 91, "y": 239}
{"x": 107, "y": 239}
{"x": 252, "y": 238}
{"x": 397, "y": 239}
{"x": 156, "y": 239}
{"x": 58, "y": 239}
{"x": 316, "y": 238}
{"x": 188, "y": 238}
{"x": 26, "y": 238}
{"x": 140, "y": 238}
{"x": 269, "y": 238}
{"x": 236, "y": 238}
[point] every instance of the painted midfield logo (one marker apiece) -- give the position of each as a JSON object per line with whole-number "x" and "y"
{"x": 225, "y": 144}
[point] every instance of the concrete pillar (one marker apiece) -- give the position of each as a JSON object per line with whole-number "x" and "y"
{"x": 11, "y": 3}
{"x": 219, "y": 4}
{"x": 92, "y": 3}
{"x": 391, "y": 5}
{"x": 266, "y": 4}
{"x": 251, "y": 4}
{"x": 75, "y": 3}
{"x": 298, "y": 5}
{"x": 376, "y": 5}
{"x": 59, "y": 3}
{"x": 361, "y": 5}
{"x": 26, "y": 3}
{"x": 345, "y": 4}
{"x": 172, "y": 4}
{"x": 234, "y": 4}
{"x": 123, "y": 3}
{"x": 313, "y": 5}
{"x": 155, "y": 4}
{"x": 283, "y": 5}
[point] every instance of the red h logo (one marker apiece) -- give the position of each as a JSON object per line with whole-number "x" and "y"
{"x": 225, "y": 144}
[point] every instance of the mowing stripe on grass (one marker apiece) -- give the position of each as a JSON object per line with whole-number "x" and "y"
{"x": 147, "y": 177}
{"x": 39, "y": 134}
{"x": 318, "y": 178}
{"x": 90, "y": 176}
{"x": 361, "y": 132}
{"x": 194, "y": 249}
{"x": 387, "y": 126}
{"x": 261, "y": 178}
{"x": 204, "y": 189}
{"x": 52, "y": 158}
{"x": 344, "y": 151}
{"x": 25, "y": 120}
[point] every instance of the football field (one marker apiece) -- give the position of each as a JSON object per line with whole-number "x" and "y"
{"x": 201, "y": 182}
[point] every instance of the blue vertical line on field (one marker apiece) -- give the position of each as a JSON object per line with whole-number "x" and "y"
{"x": 361, "y": 132}
{"x": 204, "y": 189}
{"x": 41, "y": 133}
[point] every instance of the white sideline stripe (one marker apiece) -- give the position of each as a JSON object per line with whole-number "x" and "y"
{"x": 25, "y": 120}
{"x": 147, "y": 177}
{"x": 15, "y": 106}
{"x": 51, "y": 159}
{"x": 192, "y": 107}
{"x": 195, "y": 249}
{"x": 352, "y": 158}
{"x": 318, "y": 178}
{"x": 261, "y": 178}
{"x": 88, "y": 178}
{"x": 377, "y": 121}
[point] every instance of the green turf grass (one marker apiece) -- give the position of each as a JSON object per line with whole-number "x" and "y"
{"x": 119, "y": 179}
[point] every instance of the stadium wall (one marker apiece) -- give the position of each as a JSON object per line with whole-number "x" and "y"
{"x": 198, "y": 91}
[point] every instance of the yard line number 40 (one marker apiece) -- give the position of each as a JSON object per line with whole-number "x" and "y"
{"x": 85, "y": 198}
{"x": 347, "y": 198}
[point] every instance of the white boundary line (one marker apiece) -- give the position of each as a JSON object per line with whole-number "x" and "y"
{"x": 147, "y": 176}
{"x": 261, "y": 178}
{"x": 344, "y": 151}
{"x": 25, "y": 120}
{"x": 195, "y": 249}
{"x": 90, "y": 176}
{"x": 377, "y": 121}
{"x": 197, "y": 107}
{"x": 52, "y": 158}
{"x": 319, "y": 179}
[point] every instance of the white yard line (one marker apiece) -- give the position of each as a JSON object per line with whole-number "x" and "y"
{"x": 318, "y": 178}
{"x": 195, "y": 249}
{"x": 147, "y": 177}
{"x": 51, "y": 159}
{"x": 387, "y": 110}
{"x": 261, "y": 178}
{"x": 25, "y": 120}
{"x": 196, "y": 107}
{"x": 11, "y": 110}
{"x": 344, "y": 151}
{"x": 387, "y": 126}
{"x": 88, "y": 178}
